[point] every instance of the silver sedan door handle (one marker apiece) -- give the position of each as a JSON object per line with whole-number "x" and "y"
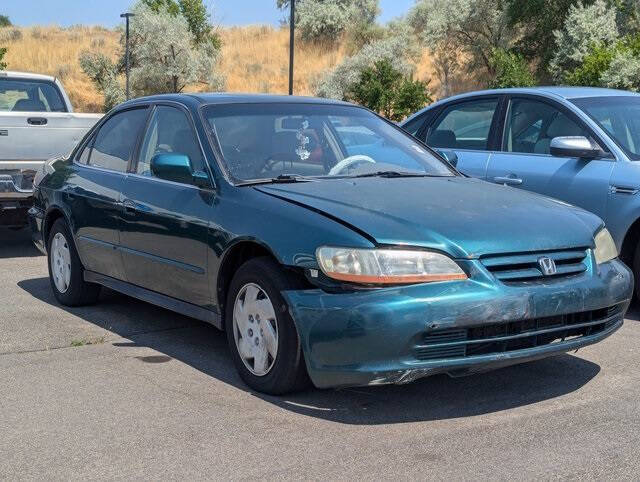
{"x": 506, "y": 180}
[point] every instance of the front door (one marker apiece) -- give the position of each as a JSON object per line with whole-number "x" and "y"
{"x": 164, "y": 228}
{"x": 465, "y": 128}
{"x": 526, "y": 161}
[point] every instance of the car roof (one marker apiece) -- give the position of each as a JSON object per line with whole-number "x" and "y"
{"x": 26, "y": 75}
{"x": 234, "y": 98}
{"x": 565, "y": 92}
{"x": 558, "y": 92}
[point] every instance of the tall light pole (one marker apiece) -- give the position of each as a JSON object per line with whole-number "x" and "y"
{"x": 292, "y": 27}
{"x": 126, "y": 16}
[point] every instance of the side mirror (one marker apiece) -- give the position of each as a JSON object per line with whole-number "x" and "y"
{"x": 574, "y": 146}
{"x": 450, "y": 156}
{"x": 177, "y": 167}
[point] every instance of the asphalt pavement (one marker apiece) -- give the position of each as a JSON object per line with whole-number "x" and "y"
{"x": 125, "y": 390}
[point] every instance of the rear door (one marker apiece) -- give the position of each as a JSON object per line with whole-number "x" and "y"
{"x": 94, "y": 191}
{"x": 526, "y": 162}
{"x": 465, "y": 127}
{"x": 165, "y": 224}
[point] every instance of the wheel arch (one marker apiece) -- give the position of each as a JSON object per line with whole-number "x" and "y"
{"x": 241, "y": 251}
{"x": 630, "y": 243}
{"x": 52, "y": 214}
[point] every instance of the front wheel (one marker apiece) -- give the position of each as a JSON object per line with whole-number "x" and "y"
{"x": 262, "y": 337}
{"x": 65, "y": 269}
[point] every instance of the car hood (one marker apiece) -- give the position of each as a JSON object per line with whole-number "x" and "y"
{"x": 464, "y": 217}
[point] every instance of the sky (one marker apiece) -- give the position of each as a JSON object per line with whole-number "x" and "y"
{"x": 107, "y": 12}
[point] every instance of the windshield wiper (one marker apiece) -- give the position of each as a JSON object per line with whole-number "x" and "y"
{"x": 393, "y": 174}
{"x": 284, "y": 178}
{"x": 281, "y": 179}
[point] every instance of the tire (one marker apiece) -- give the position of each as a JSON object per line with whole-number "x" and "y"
{"x": 248, "y": 333}
{"x": 636, "y": 272}
{"x": 73, "y": 290}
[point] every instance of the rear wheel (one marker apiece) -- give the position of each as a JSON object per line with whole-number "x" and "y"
{"x": 65, "y": 269}
{"x": 262, "y": 337}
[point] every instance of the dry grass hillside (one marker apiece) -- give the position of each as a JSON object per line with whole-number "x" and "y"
{"x": 254, "y": 58}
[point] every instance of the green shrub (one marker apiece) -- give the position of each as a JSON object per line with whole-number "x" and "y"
{"x": 4, "y": 21}
{"x": 326, "y": 20}
{"x": 511, "y": 70}
{"x": 3, "y": 65}
{"x": 594, "y": 64}
{"x": 387, "y": 91}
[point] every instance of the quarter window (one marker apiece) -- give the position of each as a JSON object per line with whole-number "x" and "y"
{"x": 116, "y": 140}
{"x": 83, "y": 158}
{"x": 464, "y": 125}
{"x": 532, "y": 124}
{"x": 169, "y": 131}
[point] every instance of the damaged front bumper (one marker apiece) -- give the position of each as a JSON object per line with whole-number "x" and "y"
{"x": 399, "y": 334}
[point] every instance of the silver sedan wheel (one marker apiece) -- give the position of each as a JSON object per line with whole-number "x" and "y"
{"x": 255, "y": 329}
{"x": 60, "y": 262}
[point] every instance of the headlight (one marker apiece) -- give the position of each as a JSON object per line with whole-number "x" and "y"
{"x": 387, "y": 266}
{"x": 605, "y": 247}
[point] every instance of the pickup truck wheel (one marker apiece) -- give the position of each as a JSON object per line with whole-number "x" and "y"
{"x": 262, "y": 337}
{"x": 65, "y": 269}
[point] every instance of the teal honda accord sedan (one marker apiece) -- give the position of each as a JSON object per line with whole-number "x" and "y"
{"x": 328, "y": 244}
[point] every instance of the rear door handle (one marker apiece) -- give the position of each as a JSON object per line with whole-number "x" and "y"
{"x": 507, "y": 180}
{"x": 37, "y": 121}
{"x": 129, "y": 206}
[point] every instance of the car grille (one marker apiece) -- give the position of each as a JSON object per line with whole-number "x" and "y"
{"x": 524, "y": 267}
{"x": 514, "y": 335}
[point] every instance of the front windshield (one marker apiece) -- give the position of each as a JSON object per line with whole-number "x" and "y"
{"x": 265, "y": 141}
{"x": 619, "y": 117}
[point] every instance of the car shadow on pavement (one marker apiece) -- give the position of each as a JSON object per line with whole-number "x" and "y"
{"x": 204, "y": 348}
{"x": 16, "y": 244}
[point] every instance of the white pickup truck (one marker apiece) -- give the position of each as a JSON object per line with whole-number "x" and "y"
{"x": 36, "y": 123}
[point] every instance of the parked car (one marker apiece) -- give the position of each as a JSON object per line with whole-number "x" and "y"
{"x": 36, "y": 123}
{"x": 363, "y": 262}
{"x": 577, "y": 144}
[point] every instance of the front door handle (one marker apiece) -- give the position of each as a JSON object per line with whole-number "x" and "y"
{"x": 508, "y": 180}
{"x": 37, "y": 121}
{"x": 129, "y": 206}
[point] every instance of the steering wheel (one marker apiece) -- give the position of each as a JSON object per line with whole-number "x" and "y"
{"x": 347, "y": 162}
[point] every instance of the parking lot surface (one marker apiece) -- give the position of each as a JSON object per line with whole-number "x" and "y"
{"x": 125, "y": 390}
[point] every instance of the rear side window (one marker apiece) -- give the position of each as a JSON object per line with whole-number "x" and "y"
{"x": 169, "y": 131}
{"x": 465, "y": 125}
{"x": 18, "y": 95}
{"x": 116, "y": 139}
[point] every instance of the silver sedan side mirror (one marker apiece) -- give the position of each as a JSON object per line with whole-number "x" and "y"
{"x": 574, "y": 146}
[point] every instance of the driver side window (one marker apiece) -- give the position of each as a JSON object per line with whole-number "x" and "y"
{"x": 169, "y": 131}
{"x": 531, "y": 125}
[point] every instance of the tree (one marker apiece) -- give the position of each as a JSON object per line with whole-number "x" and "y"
{"x": 160, "y": 63}
{"x": 397, "y": 48}
{"x": 196, "y": 14}
{"x": 104, "y": 74}
{"x": 537, "y": 20}
{"x": 475, "y": 27}
{"x": 585, "y": 28}
{"x": 4, "y": 21}
{"x": 3, "y": 51}
{"x": 511, "y": 70}
{"x": 387, "y": 91}
{"x": 327, "y": 19}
